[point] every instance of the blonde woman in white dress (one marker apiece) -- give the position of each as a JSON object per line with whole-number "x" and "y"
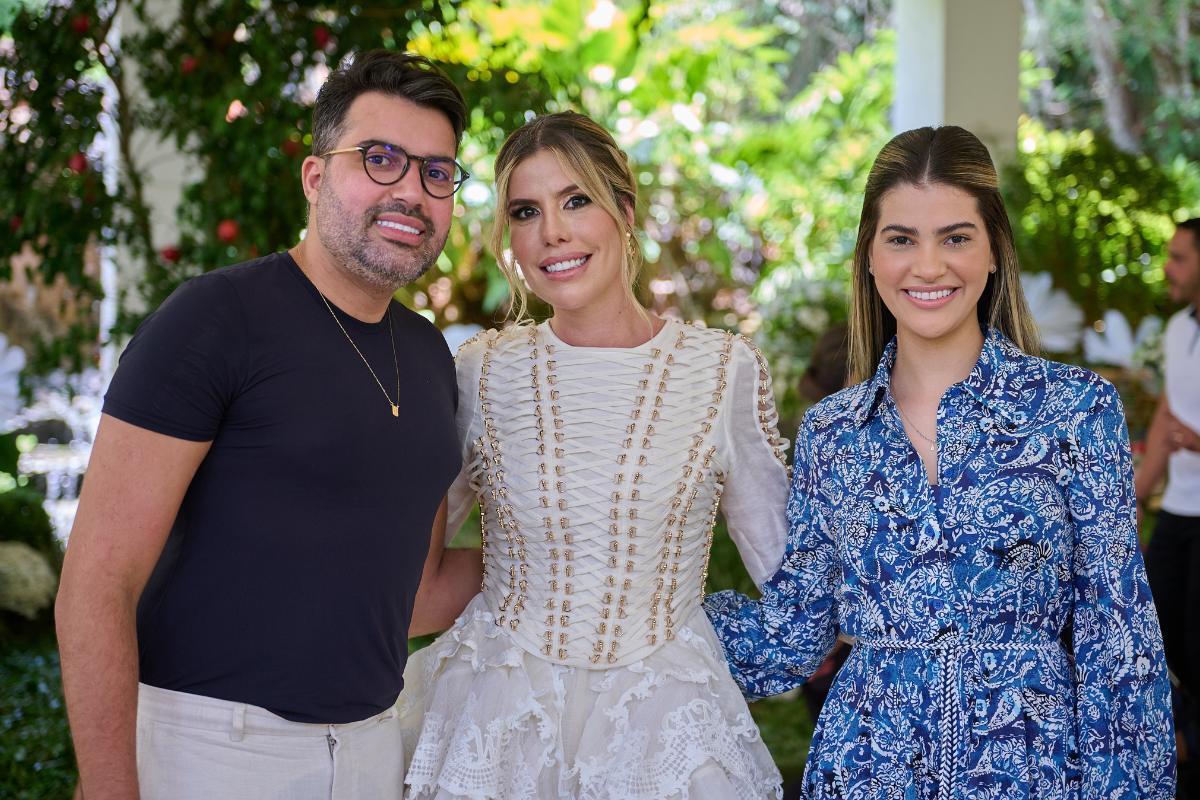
{"x": 599, "y": 445}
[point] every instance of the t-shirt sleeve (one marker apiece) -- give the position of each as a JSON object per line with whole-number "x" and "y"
{"x": 182, "y": 367}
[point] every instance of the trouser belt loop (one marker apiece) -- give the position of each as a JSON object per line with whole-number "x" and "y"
{"x": 237, "y": 729}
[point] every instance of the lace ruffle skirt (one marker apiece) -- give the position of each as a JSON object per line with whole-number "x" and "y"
{"x": 486, "y": 720}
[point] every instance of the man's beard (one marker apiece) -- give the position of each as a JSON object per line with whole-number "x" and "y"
{"x": 388, "y": 265}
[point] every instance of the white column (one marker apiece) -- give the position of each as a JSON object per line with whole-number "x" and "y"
{"x": 958, "y": 63}
{"x": 164, "y": 170}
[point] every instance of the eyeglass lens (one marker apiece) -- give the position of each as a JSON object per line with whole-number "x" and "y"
{"x": 387, "y": 164}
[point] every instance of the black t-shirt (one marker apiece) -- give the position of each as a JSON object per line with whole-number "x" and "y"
{"x": 288, "y": 578}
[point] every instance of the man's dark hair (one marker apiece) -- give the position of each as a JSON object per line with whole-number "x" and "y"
{"x": 1192, "y": 225}
{"x": 407, "y": 75}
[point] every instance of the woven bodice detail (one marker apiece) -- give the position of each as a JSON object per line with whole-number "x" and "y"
{"x": 599, "y": 472}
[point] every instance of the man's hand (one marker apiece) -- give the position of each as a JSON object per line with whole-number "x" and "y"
{"x": 1180, "y": 436}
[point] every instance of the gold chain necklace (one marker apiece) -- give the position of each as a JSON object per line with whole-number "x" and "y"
{"x": 395, "y": 362}
{"x": 916, "y": 430}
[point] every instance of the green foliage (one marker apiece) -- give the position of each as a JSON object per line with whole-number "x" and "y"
{"x": 53, "y": 61}
{"x": 9, "y": 453}
{"x": 1097, "y": 219}
{"x": 37, "y": 761}
{"x": 27, "y": 579}
{"x": 725, "y": 569}
{"x": 47, "y": 127}
{"x": 817, "y": 32}
{"x": 813, "y": 169}
{"x": 8, "y": 12}
{"x": 232, "y": 85}
{"x": 1154, "y": 60}
{"x": 23, "y": 519}
{"x": 786, "y": 728}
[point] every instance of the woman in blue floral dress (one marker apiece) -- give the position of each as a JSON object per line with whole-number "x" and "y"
{"x": 966, "y": 514}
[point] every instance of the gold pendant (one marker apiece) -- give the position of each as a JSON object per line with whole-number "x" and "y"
{"x": 395, "y": 409}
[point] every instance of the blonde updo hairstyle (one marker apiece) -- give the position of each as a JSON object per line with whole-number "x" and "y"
{"x": 950, "y": 156}
{"x": 591, "y": 156}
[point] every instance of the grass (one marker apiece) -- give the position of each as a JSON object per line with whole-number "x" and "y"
{"x": 786, "y": 728}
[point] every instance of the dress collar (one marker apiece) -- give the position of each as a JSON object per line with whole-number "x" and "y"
{"x": 1001, "y": 364}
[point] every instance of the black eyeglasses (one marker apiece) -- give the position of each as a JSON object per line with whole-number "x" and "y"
{"x": 388, "y": 163}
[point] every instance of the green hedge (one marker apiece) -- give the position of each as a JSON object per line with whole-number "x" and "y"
{"x": 36, "y": 758}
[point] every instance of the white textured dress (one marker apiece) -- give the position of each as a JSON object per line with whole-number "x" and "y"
{"x": 586, "y": 667}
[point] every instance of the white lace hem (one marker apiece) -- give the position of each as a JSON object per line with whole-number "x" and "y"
{"x": 486, "y": 720}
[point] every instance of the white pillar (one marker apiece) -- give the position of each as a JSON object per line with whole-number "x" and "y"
{"x": 164, "y": 170}
{"x": 958, "y": 63}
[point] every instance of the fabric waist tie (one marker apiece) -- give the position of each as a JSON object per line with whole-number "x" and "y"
{"x": 948, "y": 693}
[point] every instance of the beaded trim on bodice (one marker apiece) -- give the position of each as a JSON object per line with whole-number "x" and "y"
{"x": 596, "y": 545}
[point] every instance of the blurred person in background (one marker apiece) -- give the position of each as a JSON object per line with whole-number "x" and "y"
{"x": 1173, "y": 451}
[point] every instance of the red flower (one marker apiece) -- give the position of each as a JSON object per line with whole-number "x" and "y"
{"x": 228, "y": 230}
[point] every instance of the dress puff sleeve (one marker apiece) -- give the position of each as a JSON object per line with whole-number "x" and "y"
{"x": 462, "y": 495}
{"x": 777, "y": 641}
{"x": 755, "y": 465}
{"x": 1126, "y": 736}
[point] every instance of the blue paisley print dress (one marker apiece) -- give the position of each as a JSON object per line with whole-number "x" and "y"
{"x": 1006, "y": 642}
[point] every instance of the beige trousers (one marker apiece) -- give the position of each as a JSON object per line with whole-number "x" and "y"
{"x": 191, "y": 747}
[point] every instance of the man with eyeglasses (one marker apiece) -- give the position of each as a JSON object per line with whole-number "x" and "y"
{"x": 272, "y": 459}
{"x": 1173, "y": 450}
